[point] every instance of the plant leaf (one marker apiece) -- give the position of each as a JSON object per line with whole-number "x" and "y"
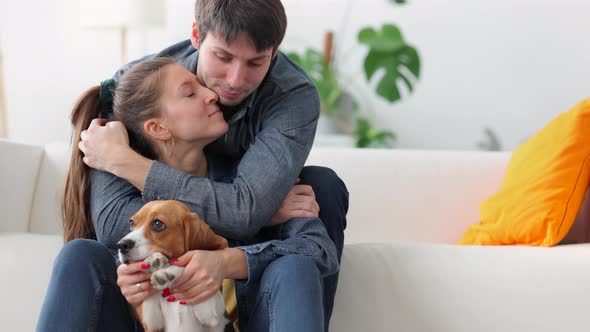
{"x": 410, "y": 59}
{"x": 392, "y": 61}
{"x": 366, "y": 35}
{"x": 389, "y": 38}
{"x": 372, "y": 63}
{"x": 387, "y": 87}
{"x": 369, "y": 136}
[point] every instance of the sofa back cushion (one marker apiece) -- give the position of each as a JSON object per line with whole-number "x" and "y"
{"x": 412, "y": 195}
{"x": 45, "y": 214}
{"x": 18, "y": 177}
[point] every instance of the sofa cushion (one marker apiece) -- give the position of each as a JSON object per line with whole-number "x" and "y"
{"x": 543, "y": 188}
{"x": 26, "y": 261}
{"x": 439, "y": 287}
{"x": 412, "y": 195}
{"x": 18, "y": 177}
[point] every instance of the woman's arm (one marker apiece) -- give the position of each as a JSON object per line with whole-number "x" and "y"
{"x": 112, "y": 203}
{"x": 205, "y": 270}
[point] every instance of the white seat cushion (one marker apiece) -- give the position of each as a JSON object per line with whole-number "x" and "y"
{"x": 438, "y": 287}
{"x": 26, "y": 261}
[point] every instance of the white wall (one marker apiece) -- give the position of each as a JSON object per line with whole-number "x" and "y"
{"x": 508, "y": 64}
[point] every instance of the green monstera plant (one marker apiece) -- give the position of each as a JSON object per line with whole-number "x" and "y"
{"x": 389, "y": 53}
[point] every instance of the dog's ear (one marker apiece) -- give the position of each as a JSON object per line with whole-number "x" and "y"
{"x": 198, "y": 235}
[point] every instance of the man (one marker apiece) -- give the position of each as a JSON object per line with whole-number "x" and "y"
{"x": 272, "y": 109}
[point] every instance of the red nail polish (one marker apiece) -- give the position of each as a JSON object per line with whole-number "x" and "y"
{"x": 182, "y": 302}
{"x": 171, "y": 299}
{"x": 145, "y": 266}
{"x": 173, "y": 260}
{"x": 166, "y": 292}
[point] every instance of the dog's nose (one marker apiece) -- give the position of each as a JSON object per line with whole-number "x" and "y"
{"x": 125, "y": 245}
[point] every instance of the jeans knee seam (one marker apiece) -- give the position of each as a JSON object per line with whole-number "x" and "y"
{"x": 98, "y": 297}
{"x": 271, "y": 320}
{"x": 94, "y": 314}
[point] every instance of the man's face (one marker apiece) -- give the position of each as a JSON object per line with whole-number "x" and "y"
{"x": 233, "y": 70}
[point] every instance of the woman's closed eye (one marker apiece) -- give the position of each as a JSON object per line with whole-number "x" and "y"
{"x": 189, "y": 93}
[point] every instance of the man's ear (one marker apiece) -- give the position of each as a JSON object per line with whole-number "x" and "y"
{"x": 199, "y": 236}
{"x": 154, "y": 129}
{"x": 195, "y": 35}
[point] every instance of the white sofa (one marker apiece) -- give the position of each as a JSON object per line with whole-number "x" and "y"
{"x": 400, "y": 269}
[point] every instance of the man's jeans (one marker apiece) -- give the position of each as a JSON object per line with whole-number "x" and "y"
{"x": 289, "y": 298}
{"x": 332, "y": 197}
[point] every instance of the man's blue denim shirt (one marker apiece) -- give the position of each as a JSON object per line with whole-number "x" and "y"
{"x": 251, "y": 170}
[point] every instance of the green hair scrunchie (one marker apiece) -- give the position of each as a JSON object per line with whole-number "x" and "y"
{"x": 107, "y": 90}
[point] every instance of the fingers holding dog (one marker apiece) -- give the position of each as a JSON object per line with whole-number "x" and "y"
{"x": 135, "y": 284}
{"x": 201, "y": 278}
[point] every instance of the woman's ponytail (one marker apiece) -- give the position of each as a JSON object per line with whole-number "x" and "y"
{"x": 75, "y": 205}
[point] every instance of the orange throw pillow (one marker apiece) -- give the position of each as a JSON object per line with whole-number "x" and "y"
{"x": 543, "y": 188}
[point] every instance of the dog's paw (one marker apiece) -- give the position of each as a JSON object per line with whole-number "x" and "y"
{"x": 156, "y": 261}
{"x": 165, "y": 277}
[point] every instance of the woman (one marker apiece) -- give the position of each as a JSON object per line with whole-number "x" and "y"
{"x": 171, "y": 117}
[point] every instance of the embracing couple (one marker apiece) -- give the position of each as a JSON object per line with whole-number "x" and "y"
{"x": 222, "y": 122}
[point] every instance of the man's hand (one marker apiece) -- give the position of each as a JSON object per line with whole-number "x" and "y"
{"x": 299, "y": 203}
{"x": 104, "y": 144}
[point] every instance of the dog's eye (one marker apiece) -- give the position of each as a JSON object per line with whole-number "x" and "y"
{"x": 131, "y": 225}
{"x": 158, "y": 225}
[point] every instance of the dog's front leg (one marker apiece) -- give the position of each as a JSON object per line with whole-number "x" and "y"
{"x": 152, "y": 316}
{"x": 210, "y": 312}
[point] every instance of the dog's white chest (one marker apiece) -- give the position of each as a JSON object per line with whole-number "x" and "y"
{"x": 207, "y": 316}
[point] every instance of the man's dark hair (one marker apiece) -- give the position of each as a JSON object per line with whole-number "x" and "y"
{"x": 263, "y": 21}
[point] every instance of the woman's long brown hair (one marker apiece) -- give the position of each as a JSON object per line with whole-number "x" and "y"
{"x": 75, "y": 203}
{"x": 136, "y": 99}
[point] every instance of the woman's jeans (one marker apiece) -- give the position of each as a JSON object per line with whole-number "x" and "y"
{"x": 83, "y": 294}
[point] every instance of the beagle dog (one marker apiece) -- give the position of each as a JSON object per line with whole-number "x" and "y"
{"x": 161, "y": 230}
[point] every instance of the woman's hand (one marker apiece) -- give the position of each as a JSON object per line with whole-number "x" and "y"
{"x": 202, "y": 276}
{"x": 299, "y": 203}
{"x": 135, "y": 284}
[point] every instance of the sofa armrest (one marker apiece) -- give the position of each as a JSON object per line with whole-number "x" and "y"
{"x": 45, "y": 212}
{"x": 18, "y": 175}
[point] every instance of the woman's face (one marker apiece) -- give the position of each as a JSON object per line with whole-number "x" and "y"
{"x": 190, "y": 110}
